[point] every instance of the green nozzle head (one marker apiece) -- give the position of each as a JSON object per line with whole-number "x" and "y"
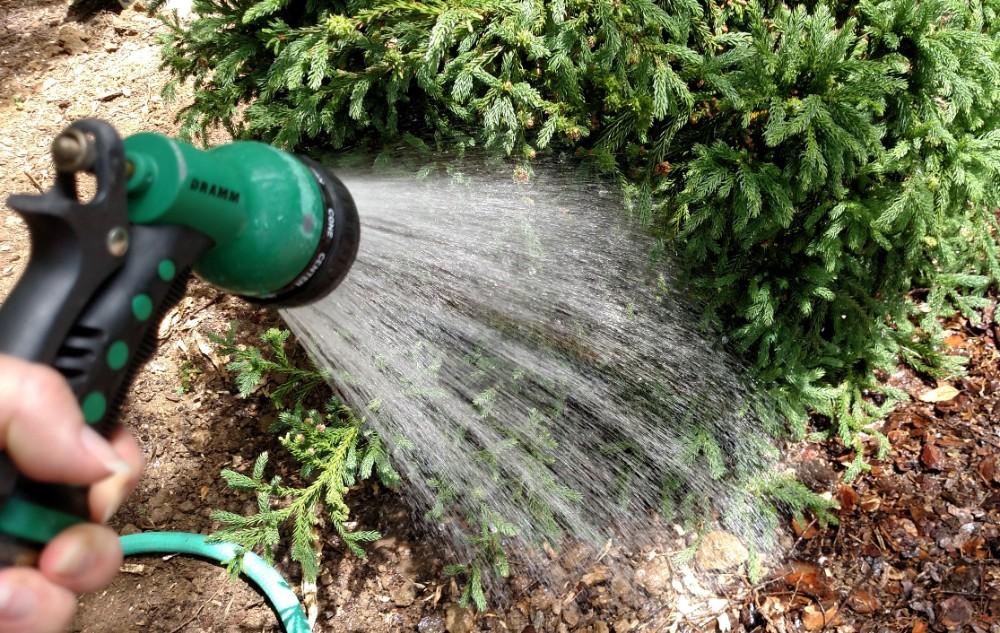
{"x": 285, "y": 230}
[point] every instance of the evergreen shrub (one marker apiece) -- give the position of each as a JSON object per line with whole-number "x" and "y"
{"x": 826, "y": 170}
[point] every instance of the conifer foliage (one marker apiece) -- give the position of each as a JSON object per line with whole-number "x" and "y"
{"x": 827, "y": 170}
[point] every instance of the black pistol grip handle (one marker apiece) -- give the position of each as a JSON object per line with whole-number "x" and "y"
{"x": 113, "y": 337}
{"x": 89, "y": 305}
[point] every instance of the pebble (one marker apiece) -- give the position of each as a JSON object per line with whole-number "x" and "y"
{"x": 654, "y": 576}
{"x": 72, "y": 39}
{"x": 721, "y": 551}
{"x": 431, "y": 624}
{"x": 404, "y": 595}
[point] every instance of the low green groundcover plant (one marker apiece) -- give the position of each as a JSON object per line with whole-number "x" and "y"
{"x": 335, "y": 449}
{"x": 826, "y": 170}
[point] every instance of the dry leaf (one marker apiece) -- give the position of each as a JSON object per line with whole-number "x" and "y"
{"x": 815, "y": 619}
{"x": 919, "y": 626}
{"x": 943, "y": 393}
{"x": 806, "y": 578}
{"x": 955, "y": 340}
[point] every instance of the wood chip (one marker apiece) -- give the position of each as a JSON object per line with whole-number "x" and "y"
{"x": 931, "y": 457}
{"x": 862, "y": 601}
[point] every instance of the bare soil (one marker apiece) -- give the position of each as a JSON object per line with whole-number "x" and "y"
{"x": 917, "y": 548}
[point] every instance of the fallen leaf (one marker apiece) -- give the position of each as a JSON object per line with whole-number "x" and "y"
{"x": 931, "y": 456}
{"x": 941, "y": 394}
{"x": 863, "y": 602}
{"x": 955, "y": 340}
{"x": 806, "y": 578}
{"x": 815, "y": 619}
{"x": 919, "y": 626}
{"x": 954, "y": 612}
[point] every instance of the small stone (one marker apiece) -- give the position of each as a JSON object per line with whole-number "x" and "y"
{"x": 720, "y": 551}
{"x": 72, "y": 39}
{"x": 716, "y": 605}
{"x": 458, "y": 619}
{"x": 123, "y": 26}
{"x": 654, "y": 576}
{"x": 404, "y": 595}
{"x": 601, "y": 627}
{"x": 431, "y": 624}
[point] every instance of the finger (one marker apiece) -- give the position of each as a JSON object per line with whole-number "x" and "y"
{"x": 107, "y": 495}
{"x": 28, "y": 602}
{"x": 42, "y": 428}
{"x": 82, "y": 558}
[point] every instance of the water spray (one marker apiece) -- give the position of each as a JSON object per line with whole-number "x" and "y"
{"x": 275, "y": 229}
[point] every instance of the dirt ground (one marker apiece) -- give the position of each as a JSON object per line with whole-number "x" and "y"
{"x": 917, "y": 549}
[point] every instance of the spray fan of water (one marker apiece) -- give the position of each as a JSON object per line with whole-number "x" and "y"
{"x": 538, "y": 373}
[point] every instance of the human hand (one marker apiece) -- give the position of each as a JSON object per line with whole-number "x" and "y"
{"x": 43, "y": 432}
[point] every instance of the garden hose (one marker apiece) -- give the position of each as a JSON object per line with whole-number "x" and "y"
{"x": 274, "y": 587}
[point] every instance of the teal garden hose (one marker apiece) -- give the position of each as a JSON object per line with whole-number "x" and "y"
{"x": 280, "y": 596}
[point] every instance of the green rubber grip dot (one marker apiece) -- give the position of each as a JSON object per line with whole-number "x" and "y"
{"x": 95, "y": 405}
{"x": 167, "y": 270}
{"x": 142, "y": 307}
{"x": 117, "y": 355}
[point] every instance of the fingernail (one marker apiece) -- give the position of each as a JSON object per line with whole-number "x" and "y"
{"x": 74, "y": 560}
{"x": 115, "y": 497}
{"x": 102, "y": 451}
{"x": 16, "y": 603}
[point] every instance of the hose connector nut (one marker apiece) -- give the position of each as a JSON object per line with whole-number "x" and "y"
{"x": 73, "y": 151}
